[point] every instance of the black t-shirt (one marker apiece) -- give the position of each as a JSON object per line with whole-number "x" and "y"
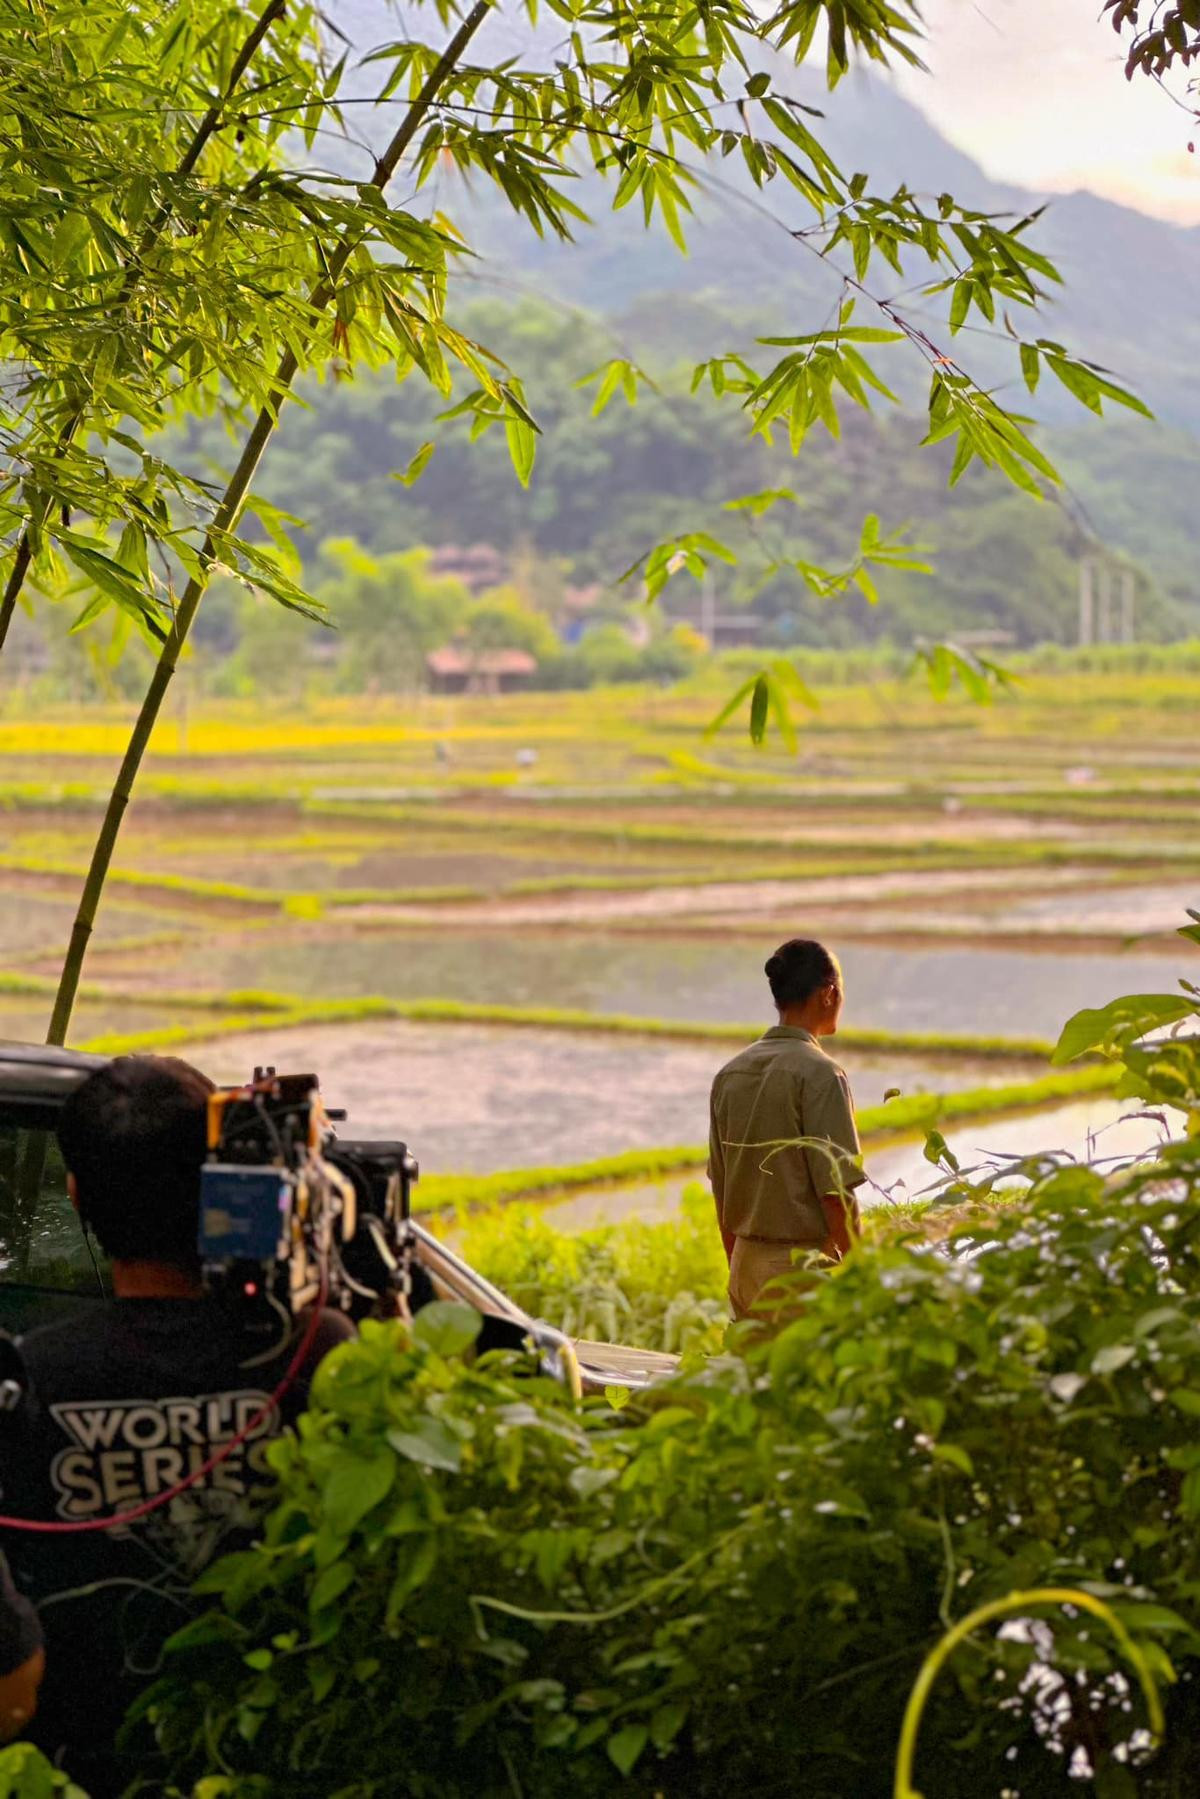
{"x": 125, "y": 1399}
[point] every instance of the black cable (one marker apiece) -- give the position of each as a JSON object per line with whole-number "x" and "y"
{"x": 95, "y": 1264}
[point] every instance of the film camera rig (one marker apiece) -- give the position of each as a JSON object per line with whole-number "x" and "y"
{"x": 289, "y": 1214}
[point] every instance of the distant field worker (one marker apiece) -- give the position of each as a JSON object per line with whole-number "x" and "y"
{"x": 772, "y": 1202}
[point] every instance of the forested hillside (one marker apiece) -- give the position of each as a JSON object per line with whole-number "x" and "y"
{"x": 604, "y": 489}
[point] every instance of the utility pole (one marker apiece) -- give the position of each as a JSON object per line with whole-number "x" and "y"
{"x": 1104, "y": 630}
{"x": 1107, "y": 596}
{"x": 708, "y": 610}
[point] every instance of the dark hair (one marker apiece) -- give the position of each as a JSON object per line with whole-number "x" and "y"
{"x": 798, "y": 968}
{"x": 134, "y": 1136}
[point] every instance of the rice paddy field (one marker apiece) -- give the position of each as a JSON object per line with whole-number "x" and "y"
{"x": 523, "y": 932}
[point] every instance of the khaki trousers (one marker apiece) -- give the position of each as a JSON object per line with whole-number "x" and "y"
{"x": 756, "y": 1262}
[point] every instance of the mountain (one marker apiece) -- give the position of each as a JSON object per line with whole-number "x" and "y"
{"x": 1129, "y": 299}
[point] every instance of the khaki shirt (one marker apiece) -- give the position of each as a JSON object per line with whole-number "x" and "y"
{"x": 780, "y": 1088}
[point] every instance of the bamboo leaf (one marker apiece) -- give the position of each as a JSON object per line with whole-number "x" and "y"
{"x": 730, "y": 707}
{"x": 417, "y": 466}
{"x": 759, "y": 701}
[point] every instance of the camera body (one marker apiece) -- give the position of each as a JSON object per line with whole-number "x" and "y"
{"x": 286, "y": 1210}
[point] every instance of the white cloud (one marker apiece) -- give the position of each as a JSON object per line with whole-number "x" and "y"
{"x": 1035, "y": 90}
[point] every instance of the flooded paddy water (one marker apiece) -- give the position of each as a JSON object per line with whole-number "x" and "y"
{"x": 475, "y": 1098}
{"x": 988, "y": 992}
{"x": 33, "y": 923}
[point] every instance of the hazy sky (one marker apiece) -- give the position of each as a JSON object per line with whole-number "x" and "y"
{"x": 1035, "y": 90}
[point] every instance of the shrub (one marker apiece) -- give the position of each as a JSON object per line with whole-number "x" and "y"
{"x": 26, "y": 1774}
{"x": 468, "y": 1587}
{"x": 658, "y": 1286}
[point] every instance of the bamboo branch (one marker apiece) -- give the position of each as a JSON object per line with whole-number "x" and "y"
{"x": 224, "y": 521}
{"x": 207, "y": 127}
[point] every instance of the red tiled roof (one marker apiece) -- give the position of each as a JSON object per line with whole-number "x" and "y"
{"x": 453, "y": 661}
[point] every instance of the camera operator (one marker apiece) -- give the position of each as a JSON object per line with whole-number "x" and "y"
{"x": 127, "y": 1397}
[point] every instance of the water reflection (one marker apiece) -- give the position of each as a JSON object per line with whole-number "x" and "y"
{"x": 977, "y": 991}
{"x": 472, "y": 1098}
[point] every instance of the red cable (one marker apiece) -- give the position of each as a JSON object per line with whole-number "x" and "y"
{"x": 46, "y": 1527}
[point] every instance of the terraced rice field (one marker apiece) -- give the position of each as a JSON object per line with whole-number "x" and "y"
{"x": 984, "y": 872}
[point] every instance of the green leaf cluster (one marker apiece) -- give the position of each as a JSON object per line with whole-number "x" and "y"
{"x": 26, "y": 1774}
{"x": 1144, "y": 1035}
{"x": 731, "y": 1587}
{"x": 656, "y": 1286}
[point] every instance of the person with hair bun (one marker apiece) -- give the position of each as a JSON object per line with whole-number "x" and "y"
{"x": 784, "y": 1157}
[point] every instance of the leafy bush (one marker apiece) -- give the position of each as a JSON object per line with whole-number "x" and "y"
{"x": 26, "y": 1774}
{"x": 659, "y": 1286}
{"x": 468, "y": 1587}
{"x": 1144, "y": 1035}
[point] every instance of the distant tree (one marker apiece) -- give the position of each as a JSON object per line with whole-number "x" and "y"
{"x": 273, "y": 655}
{"x": 607, "y": 653}
{"x": 541, "y": 581}
{"x": 388, "y": 612}
{"x": 500, "y": 620}
{"x": 605, "y": 486}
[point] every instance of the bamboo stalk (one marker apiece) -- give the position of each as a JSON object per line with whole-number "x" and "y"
{"x": 225, "y": 520}
{"x": 208, "y": 125}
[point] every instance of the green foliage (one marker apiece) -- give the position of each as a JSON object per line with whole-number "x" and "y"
{"x": 661, "y": 1286}
{"x": 732, "y": 1588}
{"x": 26, "y": 1774}
{"x": 160, "y": 257}
{"x": 769, "y": 693}
{"x": 998, "y": 562}
{"x": 1141, "y": 1033}
{"x": 214, "y": 287}
{"x": 389, "y": 612}
{"x": 500, "y": 621}
{"x": 657, "y": 1286}
{"x": 947, "y": 663}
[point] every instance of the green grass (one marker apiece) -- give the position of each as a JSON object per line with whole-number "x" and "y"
{"x": 186, "y": 886}
{"x": 170, "y": 1037}
{"x": 447, "y": 1191}
{"x": 295, "y": 1010}
{"x": 659, "y": 1285}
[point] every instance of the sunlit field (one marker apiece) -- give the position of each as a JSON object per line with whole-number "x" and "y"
{"x": 522, "y": 931}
